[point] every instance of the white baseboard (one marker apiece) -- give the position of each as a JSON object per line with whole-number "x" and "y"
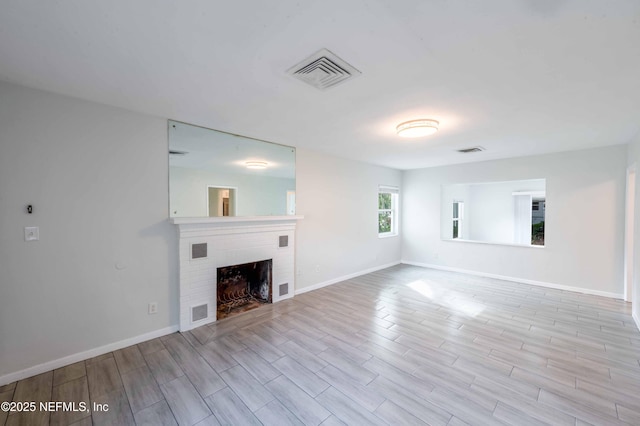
{"x": 81, "y": 356}
{"x": 61, "y": 362}
{"x": 345, "y": 277}
{"x": 636, "y": 319}
{"x": 518, "y": 280}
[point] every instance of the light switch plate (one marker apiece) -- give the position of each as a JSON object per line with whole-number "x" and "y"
{"x": 31, "y": 233}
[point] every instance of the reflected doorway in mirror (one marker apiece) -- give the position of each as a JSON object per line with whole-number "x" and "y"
{"x": 221, "y": 201}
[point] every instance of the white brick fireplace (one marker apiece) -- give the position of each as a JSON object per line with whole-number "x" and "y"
{"x": 206, "y": 244}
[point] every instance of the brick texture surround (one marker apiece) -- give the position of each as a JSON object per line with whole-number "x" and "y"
{"x": 230, "y": 241}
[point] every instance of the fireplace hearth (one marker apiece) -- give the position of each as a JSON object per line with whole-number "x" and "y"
{"x": 243, "y": 287}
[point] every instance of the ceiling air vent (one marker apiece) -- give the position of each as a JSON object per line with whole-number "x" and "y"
{"x": 323, "y": 69}
{"x": 470, "y": 150}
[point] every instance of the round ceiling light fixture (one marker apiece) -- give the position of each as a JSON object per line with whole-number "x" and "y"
{"x": 256, "y": 165}
{"x": 417, "y": 128}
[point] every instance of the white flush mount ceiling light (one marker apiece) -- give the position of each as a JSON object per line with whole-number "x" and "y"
{"x": 256, "y": 165}
{"x": 417, "y": 128}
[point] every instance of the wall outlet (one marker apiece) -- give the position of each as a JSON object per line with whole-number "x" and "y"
{"x": 153, "y": 307}
{"x": 31, "y": 233}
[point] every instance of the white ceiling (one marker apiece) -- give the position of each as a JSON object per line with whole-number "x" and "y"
{"x": 518, "y": 77}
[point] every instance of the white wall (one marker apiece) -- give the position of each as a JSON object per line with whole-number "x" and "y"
{"x": 584, "y": 226}
{"x": 97, "y": 178}
{"x": 339, "y": 233}
{"x": 255, "y": 195}
{"x": 634, "y": 161}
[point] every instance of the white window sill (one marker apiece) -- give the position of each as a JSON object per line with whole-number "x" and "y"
{"x": 388, "y": 235}
{"x": 460, "y": 240}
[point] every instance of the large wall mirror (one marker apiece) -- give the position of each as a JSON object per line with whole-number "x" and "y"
{"x": 216, "y": 174}
{"x": 511, "y": 212}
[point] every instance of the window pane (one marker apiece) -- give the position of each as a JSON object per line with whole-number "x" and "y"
{"x": 455, "y": 210}
{"x": 384, "y": 222}
{"x": 384, "y": 200}
{"x": 455, "y": 229}
{"x": 537, "y": 223}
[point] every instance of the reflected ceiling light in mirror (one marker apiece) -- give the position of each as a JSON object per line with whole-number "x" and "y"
{"x": 256, "y": 164}
{"x": 417, "y": 128}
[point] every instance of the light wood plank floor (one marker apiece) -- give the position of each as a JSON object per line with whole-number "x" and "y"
{"x": 405, "y": 345}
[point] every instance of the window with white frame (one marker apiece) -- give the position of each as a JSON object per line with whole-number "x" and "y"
{"x": 458, "y": 216}
{"x": 387, "y": 211}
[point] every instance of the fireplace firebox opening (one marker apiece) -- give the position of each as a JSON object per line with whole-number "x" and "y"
{"x": 241, "y": 288}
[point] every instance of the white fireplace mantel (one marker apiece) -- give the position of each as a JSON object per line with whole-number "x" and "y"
{"x": 230, "y": 241}
{"x": 232, "y": 220}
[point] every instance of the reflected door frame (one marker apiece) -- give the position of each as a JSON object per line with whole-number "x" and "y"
{"x": 233, "y": 201}
{"x": 629, "y": 243}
